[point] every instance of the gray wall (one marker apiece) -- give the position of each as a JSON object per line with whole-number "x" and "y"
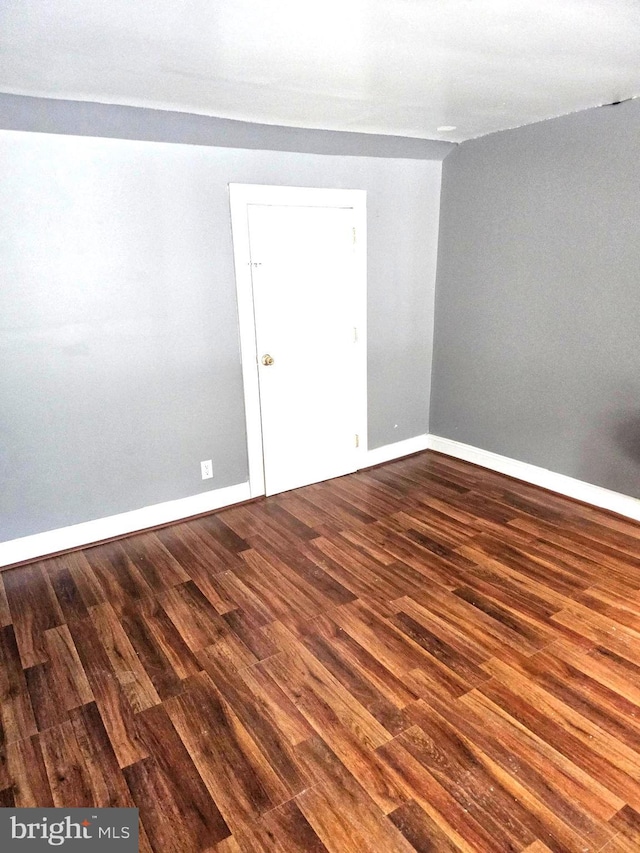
{"x": 537, "y": 343}
{"x": 118, "y": 324}
{"x": 85, "y": 118}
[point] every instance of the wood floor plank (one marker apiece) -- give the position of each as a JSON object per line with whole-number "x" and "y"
{"x": 224, "y": 753}
{"x": 310, "y": 515}
{"x": 605, "y": 554}
{"x": 108, "y": 788}
{"x": 572, "y": 687}
{"x": 28, "y": 774}
{"x": 116, "y": 712}
{"x": 420, "y": 830}
{"x": 68, "y": 776}
{"x": 168, "y": 640}
{"x": 516, "y": 628}
{"x": 317, "y": 587}
{"x": 118, "y": 576}
{"x": 175, "y": 806}
{"x": 580, "y": 800}
{"x": 195, "y": 618}
{"x": 537, "y": 569}
{"x": 341, "y": 812}
{"x": 381, "y": 638}
{"x": 5, "y": 612}
{"x": 340, "y": 512}
{"x": 269, "y": 579}
{"x": 623, "y": 607}
{"x": 352, "y": 569}
{"x": 219, "y": 530}
{"x": 303, "y": 676}
{"x": 423, "y": 656}
{"x": 7, "y": 800}
{"x": 281, "y": 830}
{"x": 356, "y": 682}
{"x": 286, "y": 521}
{"x": 602, "y": 630}
{"x": 590, "y": 747}
{"x": 604, "y": 666}
{"x": 34, "y": 609}
{"x": 627, "y": 822}
{"x": 543, "y": 593}
{"x": 439, "y": 649}
{"x": 472, "y": 769}
{"x": 125, "y": 663}
{"x": 539, "y": 847}
{"x": 156, "y": 565}
{"x": 434, "y": 561}
{"x": 347, "y": 728}
{"x": 365, "y": 495}
{"x": 86, "y": 582}
{"x": 243, "y": 598}
{"x": 454, "y": 822}
{"x": 220, "y": 558}
{"x": 45, "y": 697}
{"x": 69, "y": 676}
{"x": 268, "y": 695}
{"x": 249, "y": 634}
{"x": 200, "y": 562}
{"x": 570, "y": 805}
{"x": 157, "y": 666}
{"x": 288, "y": 827}
{"x": 16, "y": 708}
{"x": 469, "y": 777}
{"x": 352, "y": 653}
{"x": 262, "y": 724}
{"x": 232, "y": 845}
{"x": 67, "y": 592}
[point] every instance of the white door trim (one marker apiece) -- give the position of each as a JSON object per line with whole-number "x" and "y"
{"x": 240, "y": 196}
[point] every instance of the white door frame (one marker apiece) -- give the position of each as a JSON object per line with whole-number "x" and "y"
{"x": 240, "y": 196}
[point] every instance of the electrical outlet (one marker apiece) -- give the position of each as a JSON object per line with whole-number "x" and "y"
{"x": 207, "y": 469}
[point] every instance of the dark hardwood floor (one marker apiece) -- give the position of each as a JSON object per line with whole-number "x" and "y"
{"x": 424, "y": 656}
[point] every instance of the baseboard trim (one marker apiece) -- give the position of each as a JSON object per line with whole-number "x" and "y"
{"x": 90, "y": 532}
{"x": 397, "y": 450}
{"x": 568, "y": 486}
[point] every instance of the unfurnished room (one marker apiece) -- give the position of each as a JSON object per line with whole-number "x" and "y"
{"x": 320, "y": 426}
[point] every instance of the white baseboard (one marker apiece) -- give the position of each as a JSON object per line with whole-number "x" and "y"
{"x": 78, "y": 535}
{"x": 396, "y": 450}
{"x": 52, "y": 541}
{"x": 568, "y": 486}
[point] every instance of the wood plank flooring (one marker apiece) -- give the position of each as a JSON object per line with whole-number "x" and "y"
{"x": 423, "y": 656}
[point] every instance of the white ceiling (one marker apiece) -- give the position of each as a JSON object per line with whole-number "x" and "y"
{"x": 402, "y": 67}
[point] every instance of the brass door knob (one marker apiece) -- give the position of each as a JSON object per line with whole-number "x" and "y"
{"x": 267, "y": 360}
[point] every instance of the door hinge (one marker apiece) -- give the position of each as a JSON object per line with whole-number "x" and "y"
{"x": 357, "y": 440}
{"x": 354, "y": 235}
{"x": 355, "y": 335}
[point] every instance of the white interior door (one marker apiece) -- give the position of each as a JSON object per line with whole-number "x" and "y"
{"x": 300, "y": 260}
{"x": 305, "y": 293}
